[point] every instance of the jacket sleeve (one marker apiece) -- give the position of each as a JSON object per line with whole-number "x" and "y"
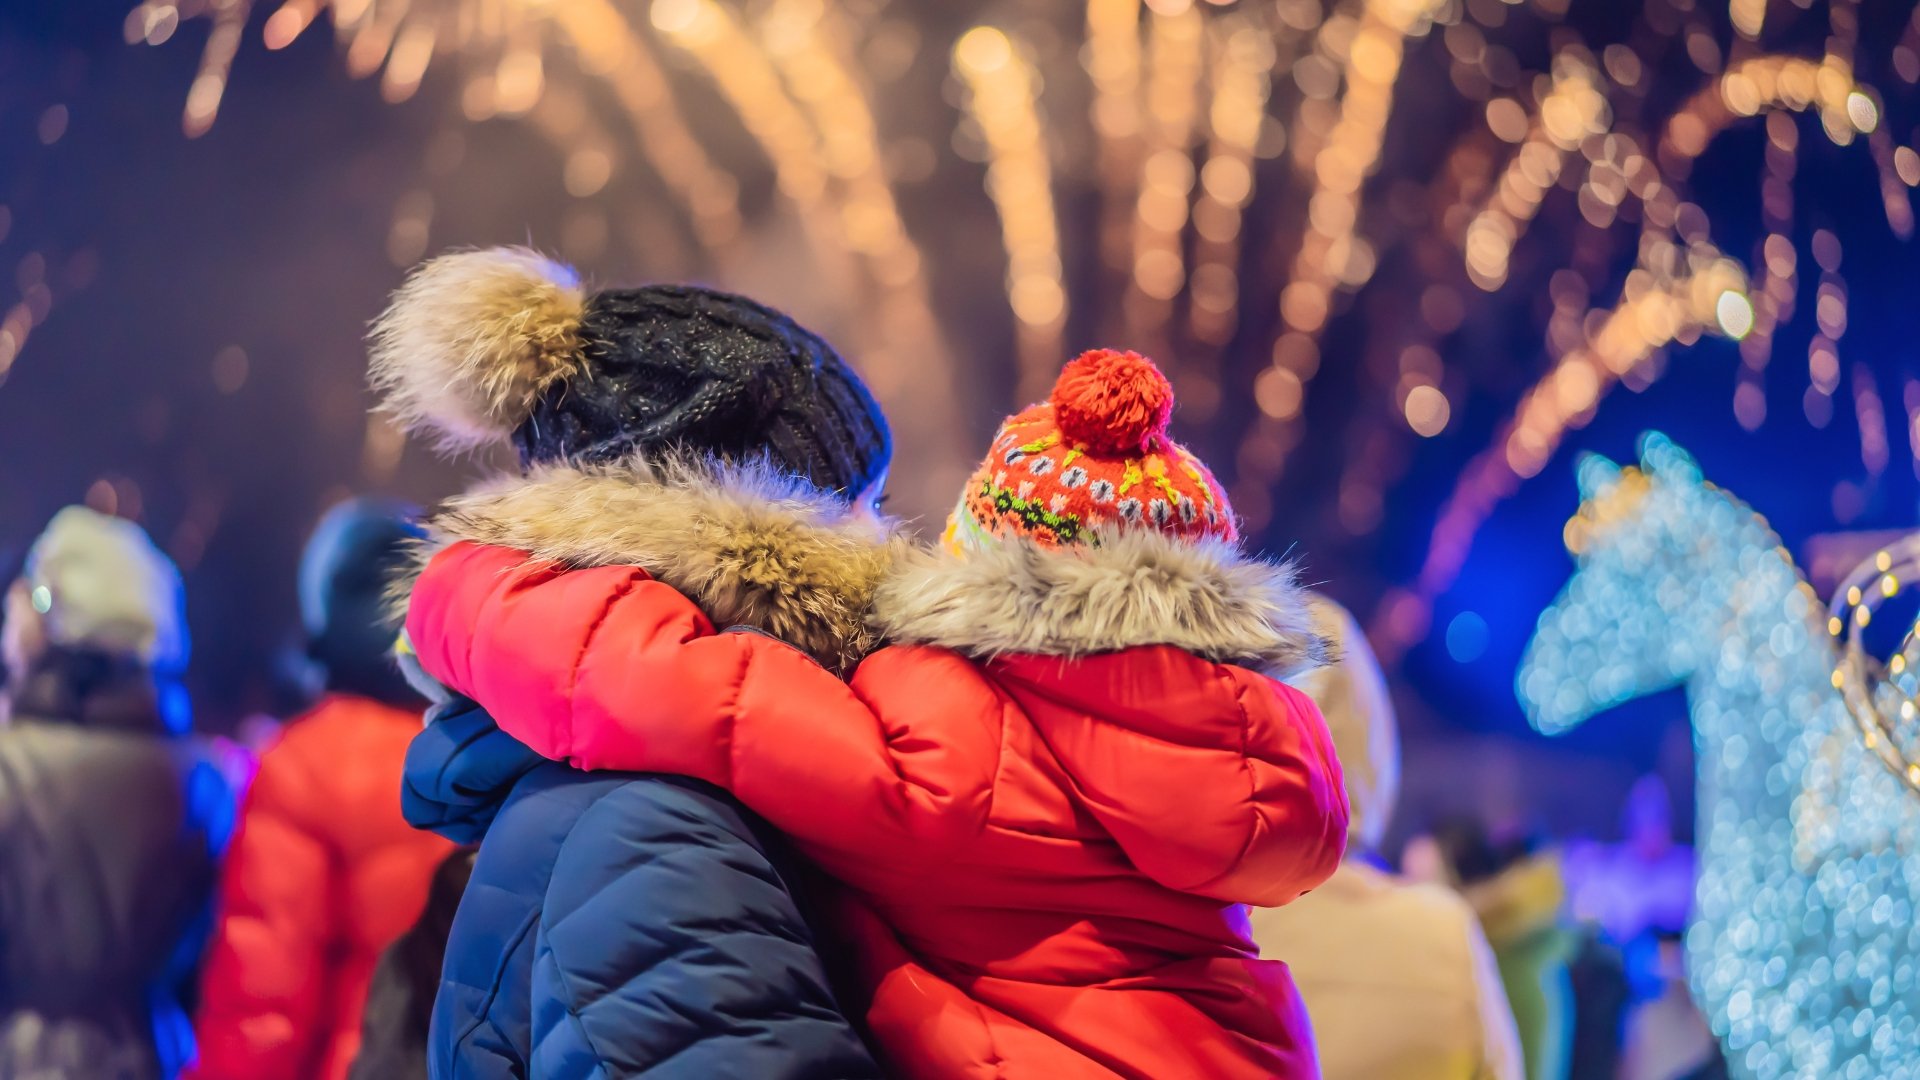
{"x": 266, "y": 974}
{"x": 1243, "y": 767}
{"x": 670, "y": 944}
{"x": 606, "y": 668}
{"x": 1296, "y": 833}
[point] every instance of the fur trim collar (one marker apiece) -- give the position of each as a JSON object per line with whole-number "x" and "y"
{"x": 750, "y": 546}
{"x": 1135, "y": 588}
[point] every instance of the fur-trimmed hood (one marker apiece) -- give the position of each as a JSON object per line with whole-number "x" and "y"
{"x": 1136, "y": 587}
{"x": 750, "y": 546}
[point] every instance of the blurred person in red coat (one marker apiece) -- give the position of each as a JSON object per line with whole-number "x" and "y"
{"x": 1046, "y": 803}
{"x": 324, "y": 873}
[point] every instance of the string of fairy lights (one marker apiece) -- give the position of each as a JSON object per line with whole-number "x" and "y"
{"x": 1882, "y": 697}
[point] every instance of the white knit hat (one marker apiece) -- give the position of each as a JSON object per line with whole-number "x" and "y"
{"x": 1352, "y": 695}
{"x": 99, "y": 583}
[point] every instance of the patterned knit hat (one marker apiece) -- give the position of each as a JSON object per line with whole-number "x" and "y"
{"x": 1094, "y": 455}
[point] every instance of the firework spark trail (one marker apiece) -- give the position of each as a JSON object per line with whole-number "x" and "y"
{"x": 1773, "y": 301}
{"x": 1755, "y": 85}
{"x": 1243, "y": 87}
{"x": 1176, "y": 54}
{"x": 408, "y": 61}
{"x": 610, "y": 48}
{"x": 1332, "y": 253}
{"x": 216, "y": 64}
{"x": 1830, "y": 318}
{"x": 1643, "y": 322}
{"x": 1569, "y": 117}
{"x": 912, "y": 363}
{"x": 820, "y": 139}
{"x": 1649, "y": 317}
{"x": 1002, "y": 91}
{"x": 400, "y": 38}
{"x": 15, "y": 328}
{"x": 740, "y": 69}
{"x": 1113, "y": 63}
{"x": 1568, "y": 392}
{"x": 1247, "y": 53}
{"x": 1242, "y": 83}
{"x": 1575, "y": 109}
{"x": 372, "y": 45}
{"x": 821, "y": 79}
{"x": 745, "y": 76}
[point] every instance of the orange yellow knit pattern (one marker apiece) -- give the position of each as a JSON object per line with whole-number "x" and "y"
{"x": 1095, "y": 455}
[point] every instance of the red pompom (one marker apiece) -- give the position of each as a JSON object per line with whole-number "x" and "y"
{"x": 1112, "y": 402}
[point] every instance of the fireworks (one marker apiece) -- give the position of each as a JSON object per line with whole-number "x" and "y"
{"x": 1175, "y": 128}
{"x": 1001, "y": 87}
{"x": 398, "y": 37}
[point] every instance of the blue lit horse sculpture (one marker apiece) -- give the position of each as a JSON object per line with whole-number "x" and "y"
{"x": 1803, "y": 949}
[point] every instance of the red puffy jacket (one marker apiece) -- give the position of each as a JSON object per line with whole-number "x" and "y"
{"x": 322, "y": 876}
{"x": 1047, "y": 851}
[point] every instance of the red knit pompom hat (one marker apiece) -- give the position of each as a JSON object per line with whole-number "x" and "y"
{"x": 1094, "y": 456}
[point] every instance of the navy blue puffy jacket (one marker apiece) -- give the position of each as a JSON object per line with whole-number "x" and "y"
{"x": 616, "y": 925}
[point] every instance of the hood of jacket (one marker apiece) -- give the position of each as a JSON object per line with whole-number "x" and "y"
{"x": 750, "y": 546}
{"x": 1134, "y": 587}
{"x": 1352, "y": 695}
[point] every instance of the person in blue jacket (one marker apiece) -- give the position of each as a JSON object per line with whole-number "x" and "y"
{"x": 628, "y": 925}
{"x": 616, "y": 925}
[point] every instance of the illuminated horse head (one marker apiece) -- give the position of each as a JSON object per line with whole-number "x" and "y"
{"x": 1803, "y": 950}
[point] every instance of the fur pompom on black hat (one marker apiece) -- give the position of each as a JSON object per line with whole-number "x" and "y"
{"x": 472, "y": 339}
{"x": 505, "y": 345}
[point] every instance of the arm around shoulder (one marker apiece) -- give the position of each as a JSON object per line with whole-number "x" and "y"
{"x": 667, "y": 902}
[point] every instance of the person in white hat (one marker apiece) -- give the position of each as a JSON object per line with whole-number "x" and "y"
{"x": 111, "y": 818}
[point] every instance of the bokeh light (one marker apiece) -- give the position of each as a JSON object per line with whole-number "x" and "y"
{"x": 1734, "y": 314}
{"x": 1466, "y": 637}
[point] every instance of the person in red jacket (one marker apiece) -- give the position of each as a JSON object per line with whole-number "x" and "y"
{"x": 324, "y": 872}
{"x": 1047, "y": 802}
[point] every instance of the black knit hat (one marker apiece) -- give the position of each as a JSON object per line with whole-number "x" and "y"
{"x": 503, "y": 344}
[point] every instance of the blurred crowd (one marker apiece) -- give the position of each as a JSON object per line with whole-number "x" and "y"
{"x": 356, "y": 894}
